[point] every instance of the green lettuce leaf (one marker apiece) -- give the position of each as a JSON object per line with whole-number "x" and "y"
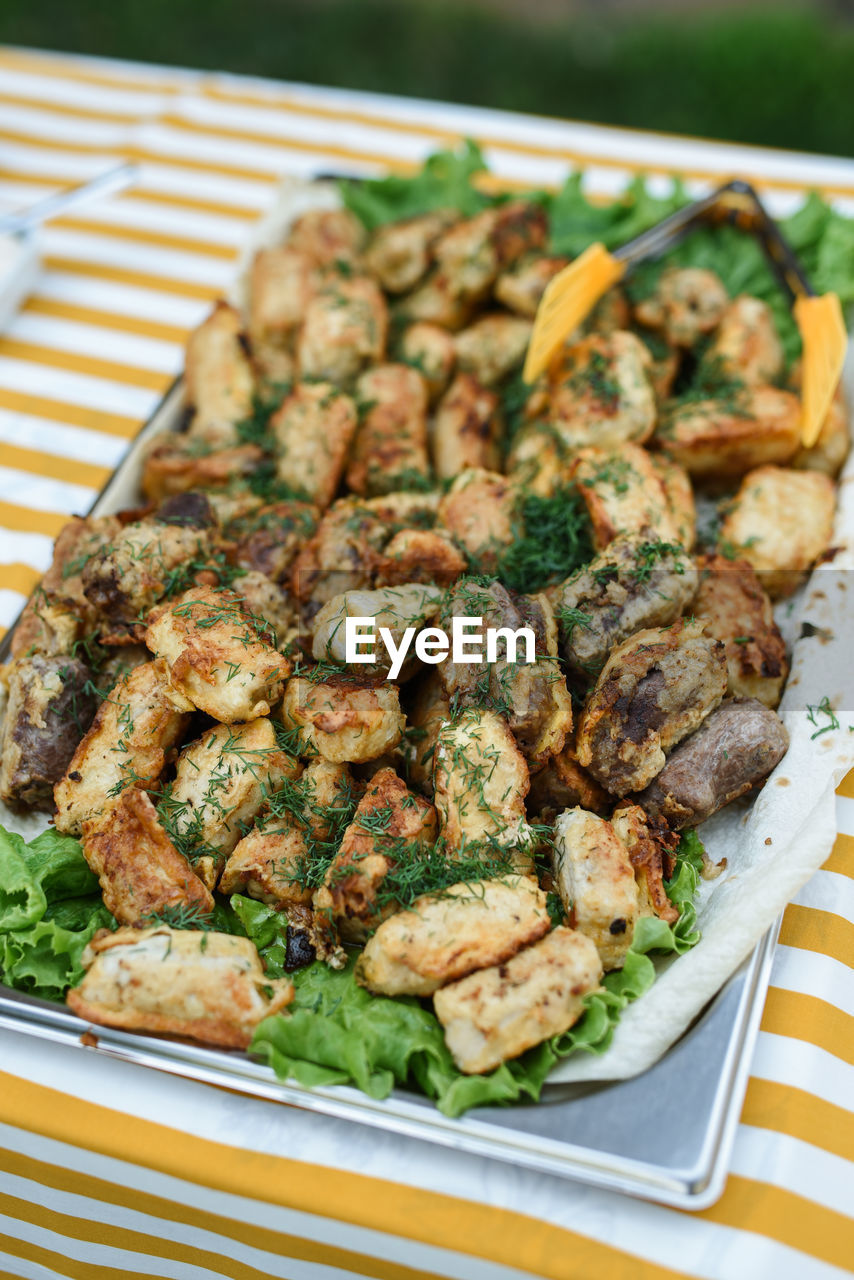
{"x": 48, "y": 912}
{"x": 22, "y": 900}
{"x": 444, "y": 182}
{"x": 57, "y": 864}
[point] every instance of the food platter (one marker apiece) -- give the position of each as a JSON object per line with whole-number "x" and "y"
{"x": 611, "y": 1134}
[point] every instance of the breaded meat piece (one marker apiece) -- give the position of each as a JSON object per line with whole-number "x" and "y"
{"x": 140, "y": 870}
{"x": 596, "y": 883}
{"x": 129, "y": 743}
{"x": 216, "y": 659}
{"x": 181, "y": 982}
{"x": 497, "y": 1013}
{"x": 442, "y": 938}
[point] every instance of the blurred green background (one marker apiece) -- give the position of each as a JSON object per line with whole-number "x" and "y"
{"x": 764, "y": 73}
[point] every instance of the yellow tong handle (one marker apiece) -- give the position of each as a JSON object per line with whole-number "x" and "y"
{"x": 568, "y": 299}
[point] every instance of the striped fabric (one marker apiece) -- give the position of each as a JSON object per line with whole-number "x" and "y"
{"x": 109, "y": 1170}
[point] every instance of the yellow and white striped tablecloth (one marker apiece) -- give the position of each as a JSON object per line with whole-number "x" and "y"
{"x": 109, "y": 1170}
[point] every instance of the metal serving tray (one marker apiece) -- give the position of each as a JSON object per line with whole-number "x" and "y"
{"x": 623, "y": 1135}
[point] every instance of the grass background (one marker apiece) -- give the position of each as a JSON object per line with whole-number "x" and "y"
{"x": 772, "y": 75}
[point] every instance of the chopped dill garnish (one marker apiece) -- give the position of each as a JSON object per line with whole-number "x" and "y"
{"x": 822, "y": 708}
{"x": 554, "y": 539}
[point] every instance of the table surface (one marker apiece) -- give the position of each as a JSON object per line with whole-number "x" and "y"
{"x": 109, "y": 1169}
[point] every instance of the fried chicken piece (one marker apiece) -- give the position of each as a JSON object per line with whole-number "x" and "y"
{"x": 344, "y": 331}
{"x": 780, "y": 522}
{"x": 497, "y": 1013}
{"x": 719, "y": 439}
{"x": 737, "y": 611}
{"x": 478, "y": 510}
{"x": 600, "y": 393}
{"x": 623, "y": 493}
{"x": 390, "y": 823}
{"x": 390, "y": 448}
{"x": 328, "y": 237}
{"x": 443, "y": 937}
{"x": 467, "y": 428}
{"x": 314, "y": 428}
{"x": 494, "y": 345}
{"x": 430, "y": 349}
{"x": 215, "y": 655}
{"x": 686, "y": 304}
{"x": 596, "y": 883}
{"x": 140, "y": 870}
{"x": 481, "y": 780}
{"x": 218, "y": 377}
{"x": 181, "y": 982}
{"x": 401, "y": 253}
{"x": 522, "y": 287}
{"x": 651, "y": 847}
{"x": 343, "y": 720}
{"x": 747, "y": 345}
{"x": 131, "y": 739}
{"x": 173, "y": 464}
{"x": 221, "y": 782}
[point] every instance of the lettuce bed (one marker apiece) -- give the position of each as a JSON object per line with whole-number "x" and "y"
{"x": 334, "y": 1032}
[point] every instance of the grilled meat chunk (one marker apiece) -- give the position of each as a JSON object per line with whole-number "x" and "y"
{"x": 401, "y": 253}
{"x": 282, "y": 283}
{"x": 390, "y": 823}
{"x": 636, "y": 582}
{"x": 140, "y": 870}
{"x": 655, "y": 689}
{"x": 686, "y": 304}
{"x": 182, "y": 982}
{"x": 481, "y": 780}
{"x": 467, "y": 428}
{"x": 126, "y": 578}
{"x": 218, "y": 378}
{"x": 221, "y": 781}
{"x": 735, "y": 748}
{"x": 521, "y": 681}
{"x": 51, "y": 705}
{"x": 736, "y": 611}
{"x": 390, "y": 449}
{"x": 343, "y": 332}
{"x": 442, "y": 938}
{"x": 215, "y": 657}
{"x": 268, "y": 539}
{"x": 341, "y": 720}
{"x": 129, "y": 743}
{"x": 314, "y": 428}
{"x": 499, "y": 1012}
{"x": 596, "y": 883}
{"x": 781, "y": 522}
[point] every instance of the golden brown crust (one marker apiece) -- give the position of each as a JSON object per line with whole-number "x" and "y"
{"x": 314, "y": 428}
{"x": 390, "y": 448}
{"x": 737, "y": 611}
{"x": 140, "y": 870}
{"x": 129, "y": 743}
{"x": 204, "y": 985}
{"x": 466, "y": 429}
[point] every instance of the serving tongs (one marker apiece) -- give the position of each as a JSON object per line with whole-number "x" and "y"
{"x": 574, "y": 291}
